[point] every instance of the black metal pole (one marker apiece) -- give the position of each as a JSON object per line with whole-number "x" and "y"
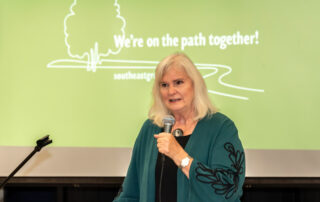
{"x": 18, "y": 168}
{"x": 40, "y": 143}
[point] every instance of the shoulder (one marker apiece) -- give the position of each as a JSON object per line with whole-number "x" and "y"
{"x": 217, "y": 120}
{"x": 146, "y": 133}
{"x": 149, "y": 127}
{"x": 217, "y": 126}
{"x": 148, "y": 124}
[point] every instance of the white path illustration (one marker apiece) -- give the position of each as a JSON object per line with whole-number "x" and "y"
{"x": 94, "y": 59}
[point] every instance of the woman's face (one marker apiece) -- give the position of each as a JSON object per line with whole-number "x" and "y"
{"x": 176, "y": 89}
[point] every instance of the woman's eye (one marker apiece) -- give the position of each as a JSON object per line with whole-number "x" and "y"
{"x": 163, "y": 85}
{"x": 179, "y": 82}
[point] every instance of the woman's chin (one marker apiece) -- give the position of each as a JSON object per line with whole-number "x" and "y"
{"x": 177, "y": 110}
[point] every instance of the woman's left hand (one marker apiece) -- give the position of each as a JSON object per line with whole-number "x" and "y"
{"x": 168, "y": 145}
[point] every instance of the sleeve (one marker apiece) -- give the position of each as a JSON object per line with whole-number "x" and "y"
{"x": 222, "y": 178}
{"x": 129, "y": 192}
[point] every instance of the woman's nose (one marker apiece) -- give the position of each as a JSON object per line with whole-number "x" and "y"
{"x": 171, "y": 90}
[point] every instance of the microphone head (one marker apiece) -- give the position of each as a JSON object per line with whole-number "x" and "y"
{"x": 168, "y": 122}
{"x": 168, "y": 119}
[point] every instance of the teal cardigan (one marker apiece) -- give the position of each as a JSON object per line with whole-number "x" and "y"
{"x": 217, "y": 172}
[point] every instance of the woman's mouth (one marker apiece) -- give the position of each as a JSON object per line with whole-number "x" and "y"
{"x": 174, "y": 100}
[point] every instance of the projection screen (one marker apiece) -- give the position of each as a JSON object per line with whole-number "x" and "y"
{"x": 82, "y": 71}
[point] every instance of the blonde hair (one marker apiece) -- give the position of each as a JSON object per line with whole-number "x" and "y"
{"x": 201, "y": 102}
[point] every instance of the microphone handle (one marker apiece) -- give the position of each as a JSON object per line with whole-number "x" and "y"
{"x": 167, "y": 128}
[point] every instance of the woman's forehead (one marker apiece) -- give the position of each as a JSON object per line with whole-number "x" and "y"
{"x": 174, "y": 72}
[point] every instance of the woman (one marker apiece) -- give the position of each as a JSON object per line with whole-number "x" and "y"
{"x": 205, "y": 164}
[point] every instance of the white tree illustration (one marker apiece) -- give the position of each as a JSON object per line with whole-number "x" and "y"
{"x": 90, "y": 28}
{"x": 89, "y": 33}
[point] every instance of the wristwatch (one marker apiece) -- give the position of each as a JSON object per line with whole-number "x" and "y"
{"x": 184, "y": 162}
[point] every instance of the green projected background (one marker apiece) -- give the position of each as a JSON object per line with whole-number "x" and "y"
{"x": 82, "y": 70}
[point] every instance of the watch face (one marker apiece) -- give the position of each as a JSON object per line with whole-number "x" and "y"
{"x": 185, "y": 162}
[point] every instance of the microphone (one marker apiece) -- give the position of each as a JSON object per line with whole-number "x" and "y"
{"x": 168, "y": 122}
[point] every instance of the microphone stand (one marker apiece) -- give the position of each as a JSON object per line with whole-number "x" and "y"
{"x": 40, "y": 144}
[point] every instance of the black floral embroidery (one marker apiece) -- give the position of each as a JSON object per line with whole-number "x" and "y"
{"x": 224, "y": 181}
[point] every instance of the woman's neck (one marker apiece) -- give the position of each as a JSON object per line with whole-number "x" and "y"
{"x": 185, "y": 122}
{"x": 184, "y": 118}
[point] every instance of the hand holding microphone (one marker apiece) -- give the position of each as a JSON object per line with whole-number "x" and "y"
{"x": 166, "y": 142}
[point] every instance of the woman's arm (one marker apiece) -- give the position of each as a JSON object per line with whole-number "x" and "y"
{"x": 130, "y": 190}
{"x": 220, "y": 179}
